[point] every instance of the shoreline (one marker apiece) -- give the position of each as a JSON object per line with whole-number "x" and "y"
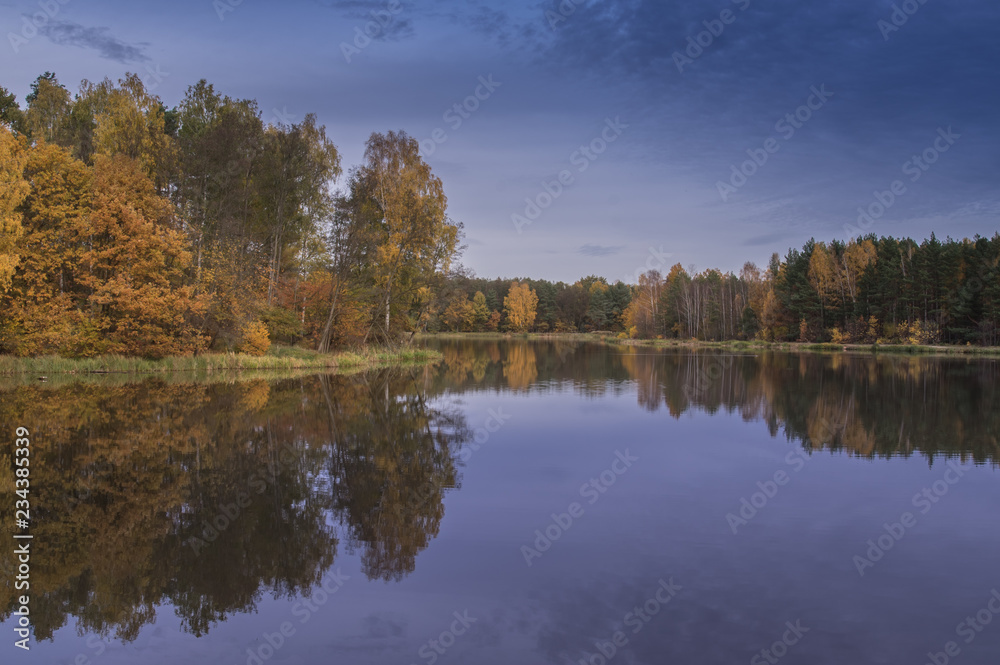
{"x": 280, "y": 358}
{"x": 733, "y": 345}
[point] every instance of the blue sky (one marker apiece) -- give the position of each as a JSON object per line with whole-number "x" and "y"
{"x": 643, "y": 107}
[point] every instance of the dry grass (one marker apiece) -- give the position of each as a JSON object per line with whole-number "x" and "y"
{"x": 278, "y": 359}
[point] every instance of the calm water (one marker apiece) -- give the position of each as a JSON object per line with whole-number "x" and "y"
{"x": 521, "y": 502}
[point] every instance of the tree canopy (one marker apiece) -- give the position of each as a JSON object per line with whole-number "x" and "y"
{"x": 132, "y": 228}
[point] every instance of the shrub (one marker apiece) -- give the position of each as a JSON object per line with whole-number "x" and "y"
{"x": 838, "y": 336}
{"x": 283, "y": 325}
{"x": 254, "y": 339}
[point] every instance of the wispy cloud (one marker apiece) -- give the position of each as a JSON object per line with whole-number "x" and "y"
{"x": 599, "y": 250}
{"x": 100, "y": 39}
{"x": 393, "y": 25}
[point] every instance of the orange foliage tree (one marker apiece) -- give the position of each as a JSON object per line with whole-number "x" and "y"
{"x": 45, "y": 303}
{"x": 136, "y": 265}
{"x": 13, "y": 189}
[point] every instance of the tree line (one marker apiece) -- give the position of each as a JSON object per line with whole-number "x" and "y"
{"x": 127, "y": 227}
{"x": 867, "y": 290}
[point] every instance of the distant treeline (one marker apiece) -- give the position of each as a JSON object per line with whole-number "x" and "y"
{"x": 864, "y": 291}
{"x": 867, "y": 290}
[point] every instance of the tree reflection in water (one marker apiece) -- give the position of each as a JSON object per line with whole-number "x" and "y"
{"x": 877, "y": 406}
{"x": 210, "y": 496}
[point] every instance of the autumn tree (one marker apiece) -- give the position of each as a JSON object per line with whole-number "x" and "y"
{"x": 350, "y": 238}
{"x": 858, "y": 255}
{"x": 10, "y": 113}
{"x": 599, "y": 311}
{"x": 13, "y": 189}
{"x": 219, "y": 141}
{"x": 46, "y": 302}
{"x": 48, "y": 109}
{"x": 141, "y": 296}
{"x": 127, "y": 120}
{"x": 298, "y": 165}
{"x": 520, "y": 307}
{"x": 460, "y": 314}
{"x": 414, "y": 241}
{"x": 642, "y": 315}
{"x": 480, "y": 312}
{"x": 825, "y": 277}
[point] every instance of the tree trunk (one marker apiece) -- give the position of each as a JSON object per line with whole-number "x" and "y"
{"x": 388, "y": 292}
{"x": 324, "y": 340}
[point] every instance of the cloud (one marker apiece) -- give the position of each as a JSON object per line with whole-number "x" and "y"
{"x": 393, "y": 26}
{"x": 768, "y": 239}
{"x": 491, "y": 23}
{"x": 100, "y": 39}
{"x": 599, "y": 250}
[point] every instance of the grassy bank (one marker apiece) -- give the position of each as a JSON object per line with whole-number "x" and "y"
{"x": 903, "y": 349}
{"x": 735, "y": 345}
{"x": 277, "y": 359}
{"x": 562, "y": 337}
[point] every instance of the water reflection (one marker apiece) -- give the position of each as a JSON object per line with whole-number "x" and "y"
{"x": 877, "y": 406}
{"x": 211, "y": 496}
{"x": 393, "y": 457}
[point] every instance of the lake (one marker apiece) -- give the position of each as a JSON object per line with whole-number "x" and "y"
{"x": 520, "y": 502}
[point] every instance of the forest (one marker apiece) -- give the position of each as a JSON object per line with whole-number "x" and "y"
{"x": 868, "y": 290}
{"x": 131, "y": 228}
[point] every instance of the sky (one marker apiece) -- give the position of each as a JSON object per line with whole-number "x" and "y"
{"x": 598, "y": 137}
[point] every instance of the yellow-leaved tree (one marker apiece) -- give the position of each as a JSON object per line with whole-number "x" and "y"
{"x": 460, "y": 315}
{"x": 405, "y": 209}
{"x": 520, "y": 305}
{"x": 129, "y": 121}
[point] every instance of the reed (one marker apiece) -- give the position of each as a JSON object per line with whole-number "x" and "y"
{"x": 279, "y": 358}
